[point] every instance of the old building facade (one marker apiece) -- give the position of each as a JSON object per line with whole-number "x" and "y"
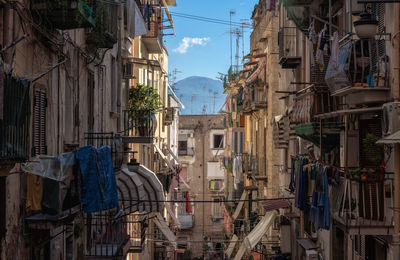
{"x": 327, "y": 121}
{"x": 67, "y": 68}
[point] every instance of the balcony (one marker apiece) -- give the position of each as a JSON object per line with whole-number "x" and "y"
{"x": 364, "y": 206}
{"x": 15, "y": 123}
{"x": 287, "y": 48}
{"x": 64, "y": 14}
{"x": 139, "y": 129}
{"x": 112, "y": 236}
{"x": 311, "y": 101}
{"x": 104, "y": 34}
{"x": 110, "y": 139}
{"x": 153, "y": 39}
{"x": 362, "y": 72}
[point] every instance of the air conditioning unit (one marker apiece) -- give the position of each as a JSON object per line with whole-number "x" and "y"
{"x": 128, "y": 71}
{"x": 311, "y": 255}
{"x": 390, "y": 118}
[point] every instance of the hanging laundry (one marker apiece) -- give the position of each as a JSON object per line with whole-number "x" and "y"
{"x": 34, "y": 192}
{"x": 270, "y": 5}
{"x": 99, "y": 190}
{"x": 320, "y": 205}
{"x": 312, "y": 40}
{"x": 188, "y": 205}
{"x": 292, "y": 174}
{"x": 322, "y": 41}
{"x": 335, "y": 50}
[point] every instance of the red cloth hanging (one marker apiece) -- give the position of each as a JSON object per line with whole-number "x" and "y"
{"x": 188, "y": 206}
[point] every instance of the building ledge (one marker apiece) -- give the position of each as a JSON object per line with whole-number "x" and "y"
{"x": 46, "y": 221}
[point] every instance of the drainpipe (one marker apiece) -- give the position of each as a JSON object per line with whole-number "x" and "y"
{"x": 396, "y": 93}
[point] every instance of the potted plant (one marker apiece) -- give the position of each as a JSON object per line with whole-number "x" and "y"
{"x": 143, "y": 103}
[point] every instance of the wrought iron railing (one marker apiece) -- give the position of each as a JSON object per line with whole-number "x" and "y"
{"x": 311, "y": 101}
{"x": 250, "y": 164}
{"x": 362, "y": 63}
{"x": 358, "y": 202}
{"x": 110, "y": 139}
{"x": 108, "y": 234}
{"x": 142, "y": 123}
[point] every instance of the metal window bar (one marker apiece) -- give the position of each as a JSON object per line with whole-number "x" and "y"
{"x": 110, "y": 139}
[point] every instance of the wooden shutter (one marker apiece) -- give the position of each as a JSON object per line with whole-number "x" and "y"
{"x": 39, "y": 122}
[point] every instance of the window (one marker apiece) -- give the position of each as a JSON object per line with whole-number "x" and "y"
{"x": 215, "y": 185}
{"x": 218, "y": 141}
{"x": 217, "y": 208}
{"x": 39, "y": 122}
{"x": 182, "y": 148}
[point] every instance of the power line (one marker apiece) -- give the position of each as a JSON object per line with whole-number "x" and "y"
{"x": 210, "y": 201}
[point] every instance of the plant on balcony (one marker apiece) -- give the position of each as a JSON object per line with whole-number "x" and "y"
{"x": 259, "y": 83}
{"x": 372, "y": 148}
{"x": 101, "y": 36}
{"x": 143, "y": 103}
{"x": 66, "y": 14}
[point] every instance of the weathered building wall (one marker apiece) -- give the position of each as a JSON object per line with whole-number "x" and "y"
{"x": 204, "y": 226}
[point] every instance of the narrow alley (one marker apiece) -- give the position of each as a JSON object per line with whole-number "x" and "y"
{"x": 181, "y": 129}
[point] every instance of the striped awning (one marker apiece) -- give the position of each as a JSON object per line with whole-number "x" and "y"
{"x": 256, "y": 72}
{"x": 139, "y": 191}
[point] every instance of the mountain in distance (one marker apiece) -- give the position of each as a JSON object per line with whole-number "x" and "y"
{"x": 196, "y": 92}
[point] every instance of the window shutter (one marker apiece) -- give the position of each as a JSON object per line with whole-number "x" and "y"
{"x": 39, "y": 122}
{"x": 241, "y": 142}
{"x": 236, "y": 142}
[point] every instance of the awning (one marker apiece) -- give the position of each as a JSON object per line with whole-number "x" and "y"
{"x": 231, "y": 246}
{"x": 306, "y": 243}
{"x": 391, "y": 139}
{"x": 139, "y": 191}
{"x": 136, "y": 24}
{"x": 347, "y": 111}
{"x": 162, "y": 225}
{"x": 270, "y": 205}
{"x": 164, "y": 157}
{"x": 240, "y": 205}
{"x": 255, "y": 73}
{"x": 256, "y": 234}
{"x": 173, "y": 217}
{"x": 172, "y": 153}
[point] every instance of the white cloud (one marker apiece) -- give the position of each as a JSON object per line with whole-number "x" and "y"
{"x": 188, "y": 42}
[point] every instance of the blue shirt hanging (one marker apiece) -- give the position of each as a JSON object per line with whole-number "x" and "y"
{"x": 99, "y": 189}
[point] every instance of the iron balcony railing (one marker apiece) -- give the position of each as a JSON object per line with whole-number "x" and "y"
{"x": 142, "y": 123}
{"x": 365, "y": 202}
{"x": 250, "y": 165}
{"x": 110, "y": 139}
{"x": 108, "y": 234}
{"x": 361, "y": 64}
{"x": 65, "y": 14}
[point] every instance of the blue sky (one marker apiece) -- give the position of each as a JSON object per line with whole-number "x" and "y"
{"x": 203, "y": 48}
